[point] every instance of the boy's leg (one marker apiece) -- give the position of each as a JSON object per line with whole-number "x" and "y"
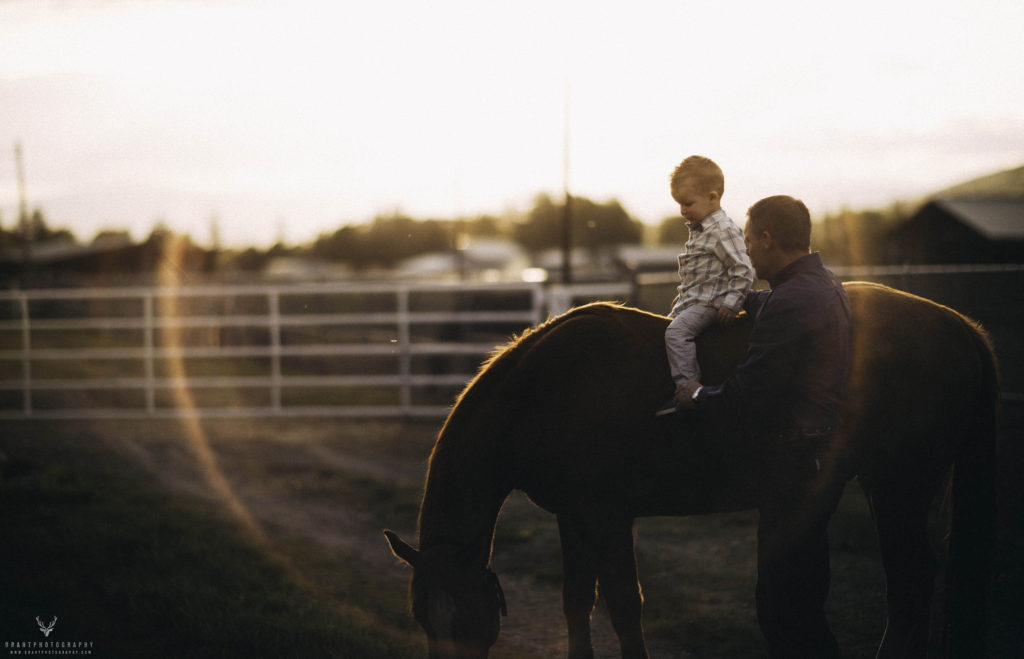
{"x": 679, "y": 345}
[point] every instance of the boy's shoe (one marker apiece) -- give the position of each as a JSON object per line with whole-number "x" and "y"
{"x": 668, "y": 407}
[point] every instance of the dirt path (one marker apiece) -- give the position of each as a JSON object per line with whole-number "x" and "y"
{"x": 534, "y": 628}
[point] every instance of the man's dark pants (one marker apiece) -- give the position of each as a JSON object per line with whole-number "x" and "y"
{"x": 801, "y": 487}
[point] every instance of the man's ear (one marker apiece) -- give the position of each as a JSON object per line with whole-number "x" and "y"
{"x": 402, "y": 549}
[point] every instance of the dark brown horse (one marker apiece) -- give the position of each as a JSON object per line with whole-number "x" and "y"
{"x": 566, "y": 414}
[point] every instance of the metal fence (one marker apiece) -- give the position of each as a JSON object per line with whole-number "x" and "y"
{"x": 259, "y": 350}
{"x": 345, "y": 350}
{"x": 992, "y": 294}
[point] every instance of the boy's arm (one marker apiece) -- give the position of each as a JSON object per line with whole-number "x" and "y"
{"x": 738, "y": 271}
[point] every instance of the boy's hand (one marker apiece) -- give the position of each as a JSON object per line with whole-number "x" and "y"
{"x": 726, "y": 316}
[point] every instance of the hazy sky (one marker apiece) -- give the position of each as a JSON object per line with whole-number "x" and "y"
{"x": 289, "y": 118}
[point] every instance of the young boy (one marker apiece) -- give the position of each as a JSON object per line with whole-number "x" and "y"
{"x": 714, "y": 270}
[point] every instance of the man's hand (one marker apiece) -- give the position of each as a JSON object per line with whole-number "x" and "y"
{"x": 684, "y": 395}
{"x": 726, "y": 316}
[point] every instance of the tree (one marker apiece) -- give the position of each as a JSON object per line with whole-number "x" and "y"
{"x": 384, "y": 242}
{"x": 856, "y": 237}
{"x": 249, "y": 260}
{"x": 482, "y": 226}
{"x": 112, "y": 237}
{"x": 673, "y": 231}
{"x": 9, "y": 240}
{"x": 603, "y": 225}
{"x": 38, "y": 231}
{"x": 594, "y": 225}
{"x": 345, "y": 244}
{"x": 542, "y": 227}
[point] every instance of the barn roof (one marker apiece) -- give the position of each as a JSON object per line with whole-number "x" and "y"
{"x": 995, "y": 219}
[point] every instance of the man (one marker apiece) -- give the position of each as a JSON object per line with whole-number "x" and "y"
{"x": 789, "y": 390}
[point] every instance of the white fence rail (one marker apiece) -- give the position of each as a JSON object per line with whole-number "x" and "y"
{"x": 259, "y": 350}
{"x": 329, "y": 349}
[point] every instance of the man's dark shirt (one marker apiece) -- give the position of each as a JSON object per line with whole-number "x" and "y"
{"x": 799, "y": 354}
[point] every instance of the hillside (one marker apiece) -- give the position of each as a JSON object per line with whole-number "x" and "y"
{"x": 1007, "y": 184}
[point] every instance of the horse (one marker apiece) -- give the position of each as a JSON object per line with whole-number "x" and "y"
{"x": 566, "y": 414}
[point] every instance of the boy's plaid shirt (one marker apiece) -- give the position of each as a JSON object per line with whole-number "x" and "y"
{"x": 714, "y": 268}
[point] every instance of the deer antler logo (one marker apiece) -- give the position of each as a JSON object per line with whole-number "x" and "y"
{"x": 46, "y": 628}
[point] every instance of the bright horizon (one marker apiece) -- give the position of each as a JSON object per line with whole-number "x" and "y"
{"x": 290, "y": 119}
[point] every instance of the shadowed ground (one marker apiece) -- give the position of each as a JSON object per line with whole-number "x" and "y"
{"x": 310, "y": 556}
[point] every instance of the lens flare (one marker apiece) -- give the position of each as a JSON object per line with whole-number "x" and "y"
{"x": 169, "y": 307}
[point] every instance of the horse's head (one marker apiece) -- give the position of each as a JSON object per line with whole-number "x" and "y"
{"x": 457, "y": 603}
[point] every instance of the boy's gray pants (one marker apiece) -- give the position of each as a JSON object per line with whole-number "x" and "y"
{"x": 679, "y": 336}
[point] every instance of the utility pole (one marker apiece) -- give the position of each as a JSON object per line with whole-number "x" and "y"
{"x": 26, "y": 239}
{"x": 567, "y": 214}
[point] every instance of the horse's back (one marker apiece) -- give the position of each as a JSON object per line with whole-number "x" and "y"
{"x": 922, "y": 380}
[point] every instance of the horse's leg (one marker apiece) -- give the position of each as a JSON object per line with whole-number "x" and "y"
{"x": 579, "y": 585}
{"x": 620, "y": 587}
{"x": 901, "y": 517}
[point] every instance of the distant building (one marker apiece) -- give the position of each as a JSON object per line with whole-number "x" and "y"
{"x": 477, "y": 260}
{"x": 641, "y": 258}
{"x": 300, "y": 268}
{"x": 104, "y": 262}
{"x": 973, "y": 230}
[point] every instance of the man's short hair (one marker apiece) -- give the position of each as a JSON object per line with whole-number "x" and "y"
{"x": 786, "y": 218}
{"x": 706, "y": 175}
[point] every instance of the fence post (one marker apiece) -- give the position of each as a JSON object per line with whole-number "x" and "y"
{"x": 274, "y": 307}
{"x": 149, "y": 350}
{"x": 26, "y": 357}
{"x": 405, "y": 351}
{"x": 559, "y": 300}
{"x": 537, "y": 301}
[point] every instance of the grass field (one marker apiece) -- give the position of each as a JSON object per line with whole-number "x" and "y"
{"x": 117, "y": 545}
{"x": 263, "y": 539}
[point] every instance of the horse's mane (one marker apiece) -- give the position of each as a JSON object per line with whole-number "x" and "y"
{"x": 504, "y": 358}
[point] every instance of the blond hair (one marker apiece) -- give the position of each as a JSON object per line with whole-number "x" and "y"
{"x": 705, "y": 174}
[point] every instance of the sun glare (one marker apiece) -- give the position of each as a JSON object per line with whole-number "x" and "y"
{"x": 183, "y": 397}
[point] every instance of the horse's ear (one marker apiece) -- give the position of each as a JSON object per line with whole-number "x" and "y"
{"x": 401, "y": 548}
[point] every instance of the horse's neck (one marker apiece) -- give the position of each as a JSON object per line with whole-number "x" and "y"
{"x": 463, "y": 496}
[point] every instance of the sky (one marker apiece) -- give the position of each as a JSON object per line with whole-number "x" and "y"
{"x": 285, "y": 119}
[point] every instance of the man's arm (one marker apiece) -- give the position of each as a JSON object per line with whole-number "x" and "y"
{"x": 768, "y": 367}
{"x": 755, "y": 300}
